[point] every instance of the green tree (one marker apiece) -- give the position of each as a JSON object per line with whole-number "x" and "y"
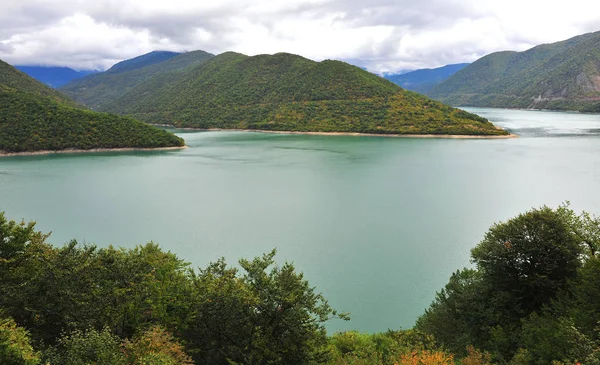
{"x": 85, "y": 348}
{"x": 261, "y": 317}
{"x": 528, "y": 260}
{"x": 15, "y": 346}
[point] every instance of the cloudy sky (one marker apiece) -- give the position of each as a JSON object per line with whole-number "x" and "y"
{"x": 380, "y": 35}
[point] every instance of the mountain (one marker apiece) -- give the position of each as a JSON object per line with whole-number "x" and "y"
{"x": 34, "y": 117}
{"x": 286, "y": 92}
{"x": 425, "y": 79}
{"x": 142, "y": 61}
{"x": 98, "y": 89}
{"x": 53, "y": 76}
{"x": 561, "y": 76}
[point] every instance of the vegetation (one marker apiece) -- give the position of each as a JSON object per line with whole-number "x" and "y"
{"x": 423, "y": 80}
{"x": 96, "y": 90}
{"x": 525, "y": 301}
{"x": 532, "y": 298}
{"x": 33, "y": 117}
{"x": 560, "y": 76}
{"x": 285, "y": 92}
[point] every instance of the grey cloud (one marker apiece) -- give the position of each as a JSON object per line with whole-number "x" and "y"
{"x": 177, "y": 29}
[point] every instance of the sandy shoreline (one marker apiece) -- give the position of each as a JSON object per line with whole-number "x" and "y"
{"x": 94, "y": 150}
{"x": 445, "y": 136}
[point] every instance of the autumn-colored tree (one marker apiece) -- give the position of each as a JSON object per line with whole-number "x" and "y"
{"x": 426, "y": 357}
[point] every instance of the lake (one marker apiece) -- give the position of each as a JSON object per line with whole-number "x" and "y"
{"x": 376, "y": 224}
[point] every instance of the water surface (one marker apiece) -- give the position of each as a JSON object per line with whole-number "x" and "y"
{"x": 376, "y": 224}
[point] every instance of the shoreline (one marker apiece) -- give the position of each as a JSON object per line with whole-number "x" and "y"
{"x": 93, "y": 150}
{"x": 355, "y": 134}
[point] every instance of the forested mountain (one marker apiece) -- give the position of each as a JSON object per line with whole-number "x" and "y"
{"x": 34, "y": 117}
{"x": 53, "y": 76}
{"x": 96, "y": 90}
{"x": 562, "y": 76}
{"x": 425, "y": 79}
{"x": 286, "y": 92}
{"x": 142, "y": 61}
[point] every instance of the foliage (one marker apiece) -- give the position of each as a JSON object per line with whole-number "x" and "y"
{"x": 86, "y": 347}
{"x": 476, "y": 357}
{"x": 426, "y": 357}
{"x": 528, "y": 260}
{"x": 156, "y": 346}
{"x": 15, "y": 346}
{"x": 73, "y": 298}
{"x": 285, "y": 92}
{"x": 560, "y": 76}
{"x": 376, "y": 349}
{"x": 268, "y": 315}
{"x": 534, "y": 289}
{"x": 547, "y": 338}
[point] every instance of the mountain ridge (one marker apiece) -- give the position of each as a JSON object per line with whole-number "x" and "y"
{"x": 286, "y": 92}
{"x": 97, "y": 89}
{"x": 563, "y": 75}
{"x": 423, "y": 80}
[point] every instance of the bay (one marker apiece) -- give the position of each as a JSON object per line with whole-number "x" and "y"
{"x": 376, "y": 224}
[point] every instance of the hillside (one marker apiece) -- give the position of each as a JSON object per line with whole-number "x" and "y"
{"x": 53, "y": 76}
{"x": 98, "y": 89}
{"x": 423, "y": 80}
{"x": 34, "y": 117}
{"x": 286, "y": 92}
{"x": 562, "y": 76}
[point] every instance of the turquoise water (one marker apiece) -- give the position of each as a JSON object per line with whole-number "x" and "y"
{"x": 376, "y": 224}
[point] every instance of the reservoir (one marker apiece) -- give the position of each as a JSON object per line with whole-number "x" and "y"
{"x": 376, "y": 224}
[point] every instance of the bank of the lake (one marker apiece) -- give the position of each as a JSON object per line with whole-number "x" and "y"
{"x": 356, "y": 134}
{"x": 376, "y": 224}
{"x": 93, "y": 150}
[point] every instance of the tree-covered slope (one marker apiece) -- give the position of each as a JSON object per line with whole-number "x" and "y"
{"x": 34, "y": 117}
{"x": 142, "y": 61}
{"x": 424, "y": 80}
{"x": 290, "y": 93}
{"x": 12, "y": 78}
{"x": 96, "y": 90}
{"x": 563, "y": 75}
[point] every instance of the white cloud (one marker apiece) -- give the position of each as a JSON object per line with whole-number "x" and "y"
{"x": 381, "y": 35}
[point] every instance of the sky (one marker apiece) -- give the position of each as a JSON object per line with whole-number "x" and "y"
{"x": 382, "y": 36}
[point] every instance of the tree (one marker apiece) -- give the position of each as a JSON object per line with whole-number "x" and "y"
{"x": 15, "y": 346}
{"x": 155, "y": 346}
{"x": 261, "y": 317}
{"x": 459, "y": 316}
{"x": 86, "y": 347}
{"x": 528, "y": 260}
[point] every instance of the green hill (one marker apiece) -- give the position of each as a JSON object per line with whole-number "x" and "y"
{"x": 98, "y": 89}
{"x": 562, "y": 76}
{"x": 286, "y": 92}
{"x": 34, "y": 117}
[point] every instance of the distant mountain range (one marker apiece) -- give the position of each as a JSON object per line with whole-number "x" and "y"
{"x": 560, "y": 76}
{"x": 281, "y": 92}
{"x": 54, "y": 76}
{"x": 34, "y": 117}
{"x": 425, "y": 79}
